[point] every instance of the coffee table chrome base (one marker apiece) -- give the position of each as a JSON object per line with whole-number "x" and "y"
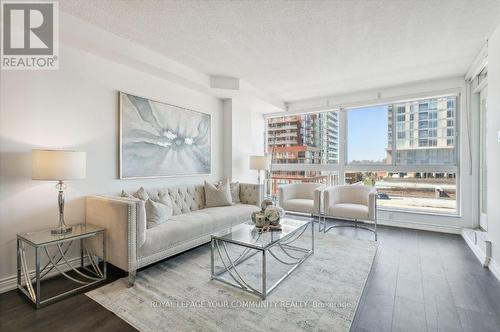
{"x": 284, "y": 245}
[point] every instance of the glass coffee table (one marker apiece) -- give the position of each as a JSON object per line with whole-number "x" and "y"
{"x": 280, "y": 246}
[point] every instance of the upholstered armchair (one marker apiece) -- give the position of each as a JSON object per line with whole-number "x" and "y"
{"x": 301, "y": 197}
{"x": 350, "y": 202}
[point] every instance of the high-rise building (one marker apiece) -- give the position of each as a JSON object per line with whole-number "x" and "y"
{"x": 424, "y": 132}
{"x": 303, "y": 139}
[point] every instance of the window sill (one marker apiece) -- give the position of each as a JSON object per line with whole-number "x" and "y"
{"x": 451, "y": 215}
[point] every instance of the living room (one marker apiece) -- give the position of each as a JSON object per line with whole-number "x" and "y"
{"x": 250, "y": 165}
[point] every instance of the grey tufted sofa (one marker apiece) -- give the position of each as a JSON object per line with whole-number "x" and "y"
{"x": 131, "y": 245}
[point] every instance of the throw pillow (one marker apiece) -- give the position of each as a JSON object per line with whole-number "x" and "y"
{"x": 218, "y": 196}
{"x": 235, "y": 191}
{"x": 164, "y": 198}
{"x": 141, "y": 194}
{"x": 156, "y": 213}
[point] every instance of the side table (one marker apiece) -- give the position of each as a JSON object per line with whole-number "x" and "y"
{"x": 60, "y": 245}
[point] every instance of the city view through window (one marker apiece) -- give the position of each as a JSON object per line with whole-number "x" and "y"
{"x": 416, "y": 136}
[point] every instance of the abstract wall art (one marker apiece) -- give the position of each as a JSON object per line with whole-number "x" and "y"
{"x": 160, "y": 140}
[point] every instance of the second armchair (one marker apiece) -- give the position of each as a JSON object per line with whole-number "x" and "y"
{"x": 350, "y": 202}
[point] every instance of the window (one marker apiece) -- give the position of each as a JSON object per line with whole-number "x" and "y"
{"x": 284, "y": 177}
{"x": 304, "y": 138}
{"x": 367, "y": 135}
{"x": 408, "y": 150}
{"x": 436, "y": 135}
{"x": 422, "y": 191}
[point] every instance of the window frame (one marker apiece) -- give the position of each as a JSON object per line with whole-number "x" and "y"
{"x": 343, "y": 166}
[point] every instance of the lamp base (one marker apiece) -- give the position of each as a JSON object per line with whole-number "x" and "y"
{"x": 61, "y": 230}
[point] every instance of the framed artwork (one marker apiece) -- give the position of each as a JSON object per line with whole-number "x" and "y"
{"x": 162, "y": 140}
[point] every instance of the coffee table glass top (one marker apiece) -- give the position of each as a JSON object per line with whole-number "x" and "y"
{"x": 247, "y": 234}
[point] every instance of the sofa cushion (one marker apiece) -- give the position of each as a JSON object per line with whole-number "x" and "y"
{"x": 299, "y": 205}
{"x": 349, "y": 211}
{"x": 192, "y": 225}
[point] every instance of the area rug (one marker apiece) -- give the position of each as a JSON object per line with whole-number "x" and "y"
{"x": 322, "y": 294}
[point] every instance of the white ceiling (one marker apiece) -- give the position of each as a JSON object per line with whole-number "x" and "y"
{"x": 305, "y": 49}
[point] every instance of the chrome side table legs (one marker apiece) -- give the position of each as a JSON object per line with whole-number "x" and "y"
{"x": 51, "y": 255}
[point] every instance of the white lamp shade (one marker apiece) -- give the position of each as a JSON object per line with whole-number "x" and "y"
{"x": 53, "y": 165}
{"x": 258, "y": 162}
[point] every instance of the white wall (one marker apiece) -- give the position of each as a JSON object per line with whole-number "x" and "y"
{"x": 244, "y": 127}
{"x": 492, "y": 146}
{"x": 75, "y": 107}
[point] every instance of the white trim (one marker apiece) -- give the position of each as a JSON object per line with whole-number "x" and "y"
{"x": 481, "y": 256}
{"x": 366, "y": 168}
{"x": 495, "y": 269}
{"x": 346, "y": 106}
{"x": 480, "y": 61}
{"x": 421, "y": 89}
{"x": 417, "y": 212}
{"x": 419, "y": 226}
{"x": 10, "y": 283}
{"x": 480, "y": 87}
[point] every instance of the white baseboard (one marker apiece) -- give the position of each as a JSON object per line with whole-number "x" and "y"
{"x": 470, "y": 237}
{"x": 495, "y": 269}
{"x": 10, "y": 283}
{"x": 480, "y": 245}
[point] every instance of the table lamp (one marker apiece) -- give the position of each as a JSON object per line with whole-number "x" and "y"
{"x": 56, "y": 165}
{"x": 258, "y": 163}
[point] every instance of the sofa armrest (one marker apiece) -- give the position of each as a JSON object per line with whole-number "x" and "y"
{"x": 251, "y": 193}
{"x": 125, "y": 222}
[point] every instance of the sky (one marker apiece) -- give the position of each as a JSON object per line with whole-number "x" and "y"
{"x": 367, "y": 133}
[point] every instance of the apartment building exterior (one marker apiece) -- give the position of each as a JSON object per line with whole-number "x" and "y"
{"x": 303, "y": 139}
{"x": 424, "y": 132}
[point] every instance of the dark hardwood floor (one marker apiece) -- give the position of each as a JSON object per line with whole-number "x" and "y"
{"x": 76, "y": 313}
{"x": 420, "y": 281}
{"x": 426, "y": 281}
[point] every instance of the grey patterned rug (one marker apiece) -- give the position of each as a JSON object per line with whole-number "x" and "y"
{"x": 177, "y": 295}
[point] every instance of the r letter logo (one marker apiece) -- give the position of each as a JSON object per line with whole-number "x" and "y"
{"x": 29, "y": 35}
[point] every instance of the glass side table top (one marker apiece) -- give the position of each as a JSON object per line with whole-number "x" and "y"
{"x": 44, "y": 237}
{"x": 247, "y": 234}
